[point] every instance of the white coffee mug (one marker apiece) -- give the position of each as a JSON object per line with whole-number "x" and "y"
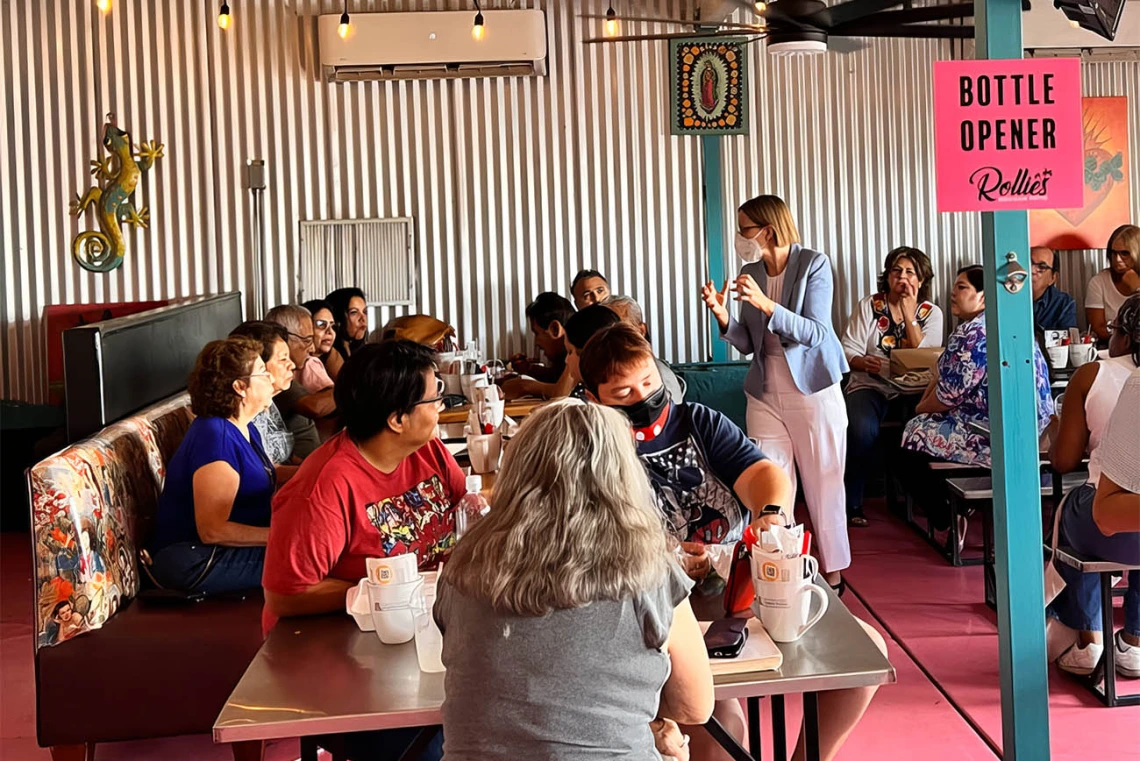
{"x": 1081, "y": 354}
{"x": 768, "y": 566}
{"x": 393, "y": 610}
{"x": 1058, "y": 356}
{"x": 468, "y": 383}
{"x": 484, "y": 452}
{"x": 784, "y": 608}
{"x": 452, "y": 384}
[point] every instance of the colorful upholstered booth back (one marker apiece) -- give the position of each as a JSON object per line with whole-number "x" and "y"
{"x": 93, "y": 507}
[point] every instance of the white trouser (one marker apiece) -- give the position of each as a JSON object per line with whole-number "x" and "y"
{"x": 808, "y": 432}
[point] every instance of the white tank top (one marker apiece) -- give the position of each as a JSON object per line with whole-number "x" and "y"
{"x": 1100, "y": 402}
{"x": 772, "y": 342}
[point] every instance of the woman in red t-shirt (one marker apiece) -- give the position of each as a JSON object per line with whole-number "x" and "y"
{"x": 383, "y": 486}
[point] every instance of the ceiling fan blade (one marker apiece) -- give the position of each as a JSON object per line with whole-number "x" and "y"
{"x": 683, "y": 22}
{"x": 851, "y": 10}
{"x": 844, "y": 44}
{"x": 912, "y": 16}
{"x": 670, "y": 36}
{"x": 911, "y": 31}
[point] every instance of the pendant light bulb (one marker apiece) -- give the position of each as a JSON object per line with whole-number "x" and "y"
{"x": 103, "y": 5}
{"x": 224, "y": 19}
{"x": 611, "y": 22}
{"x": 478, "y": 31}
{"x": 344, "y": 27}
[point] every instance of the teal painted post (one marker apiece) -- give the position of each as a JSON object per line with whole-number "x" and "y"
{"x": 714, "y": 231}
{"x": 1016, "y": 476}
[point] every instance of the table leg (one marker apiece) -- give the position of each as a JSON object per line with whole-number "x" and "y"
{"x": 726, "y": 740}
{"x": 779, "y": 730}
{"x": 419, "y": 745}
{"x": 1109, "y": 638}
{"x": 309, "y": 749}
{"x": 811, "y": 726}
{"x": 754, "y": 728}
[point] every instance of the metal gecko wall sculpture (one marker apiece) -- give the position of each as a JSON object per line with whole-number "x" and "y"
{"x": 116, "y": 175}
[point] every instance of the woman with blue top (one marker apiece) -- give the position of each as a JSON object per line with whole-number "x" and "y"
{"x": 796, "y": 410}
{"x": 213, "y": 514}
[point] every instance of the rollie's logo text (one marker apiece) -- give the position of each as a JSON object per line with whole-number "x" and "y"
{"x": 993, "y": 186}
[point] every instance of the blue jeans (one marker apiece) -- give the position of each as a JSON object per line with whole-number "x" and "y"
{"x": 390, "y": 744}
{"x": 1078, "y": 604}
{"x": 866, "y": 409}
{"x": 208, "y": 569}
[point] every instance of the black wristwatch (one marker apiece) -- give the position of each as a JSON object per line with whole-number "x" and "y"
{"x": 771, "y": 510}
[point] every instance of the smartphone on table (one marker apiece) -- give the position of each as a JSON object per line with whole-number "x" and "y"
{"x": 725, "y": 637}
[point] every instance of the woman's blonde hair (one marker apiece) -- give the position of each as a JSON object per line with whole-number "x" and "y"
{"x": 1126, "y": 236}
{"x": 771, "y": 210}
{"x": 572, "y": 518}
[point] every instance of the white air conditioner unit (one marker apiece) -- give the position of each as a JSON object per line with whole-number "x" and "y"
{"x": 433, "y": 45}
{"x": 1045, "y": 31}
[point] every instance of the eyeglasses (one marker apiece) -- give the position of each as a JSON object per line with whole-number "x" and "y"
{"x": 1121, "y": 252}
{"x": 750, "y": 227}
{"x": 438, "y": 398}
{"x": 325, "y": 324}
{"x": 1041, "y": 268}
{"x": 305, "y": 340}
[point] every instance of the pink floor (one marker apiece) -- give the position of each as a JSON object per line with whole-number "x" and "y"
{"x": 921, "y": 605}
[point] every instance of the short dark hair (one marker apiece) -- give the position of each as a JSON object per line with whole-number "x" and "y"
{"x": 317, "y": 305}
{"x": 548, "y": 307}
{"x": 378, "y": 381}
{"x": 582, "y": 326}
{"x": 611, "y": 351}
{"x": 60, "y": 606}
{"x": 265, "y": 333}
{"x": 976, "y": 275}
{"x": 921, "y": 265}
{"x": 582, "y": 275}
{"x": 211, "y": 382}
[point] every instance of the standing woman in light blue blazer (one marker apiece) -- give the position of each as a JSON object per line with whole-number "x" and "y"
{"x": 795, "y": 406}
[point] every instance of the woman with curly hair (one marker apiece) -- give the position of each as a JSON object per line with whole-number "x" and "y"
{"x": 213, "y": 513}
{"x": 899, "y": 316}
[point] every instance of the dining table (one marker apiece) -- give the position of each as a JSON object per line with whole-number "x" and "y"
{"x": 321, "y": 678}
{"x": 514, "y": 408}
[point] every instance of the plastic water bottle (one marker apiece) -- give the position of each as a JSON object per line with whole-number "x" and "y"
{"x": 471, "y": 508}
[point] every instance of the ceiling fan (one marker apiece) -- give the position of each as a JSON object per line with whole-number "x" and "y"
{"x": 793, "y": 27}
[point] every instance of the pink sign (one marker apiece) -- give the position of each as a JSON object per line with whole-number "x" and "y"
{"x": 1007, "y": 134}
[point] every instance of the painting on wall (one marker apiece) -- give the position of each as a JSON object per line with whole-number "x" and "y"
{"x": 1107, "y": 202}
{"x": 708, "y": 86}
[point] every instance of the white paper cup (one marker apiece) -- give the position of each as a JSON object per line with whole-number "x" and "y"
{"x": 1058, "y": 357}
{"x": 484, "y": 452}
{"x": 396, "y": 569}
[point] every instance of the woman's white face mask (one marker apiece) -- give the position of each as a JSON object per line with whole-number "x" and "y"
{"x": 748, "y": 249}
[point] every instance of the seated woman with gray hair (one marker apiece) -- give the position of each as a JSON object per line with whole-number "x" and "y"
{"x": 566, "y": 599}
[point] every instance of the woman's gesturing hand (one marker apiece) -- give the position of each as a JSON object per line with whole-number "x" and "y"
{"x": 716, "y": 301}
{"x": 748, "y": 291}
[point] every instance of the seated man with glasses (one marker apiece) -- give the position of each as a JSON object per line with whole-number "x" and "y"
{"x": 385, "y": 485}
{"x": 1053, "y": 309}
{"x": 308, "y": 416}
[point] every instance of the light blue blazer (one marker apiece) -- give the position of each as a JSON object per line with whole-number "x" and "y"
{"x": 802, "y": 320}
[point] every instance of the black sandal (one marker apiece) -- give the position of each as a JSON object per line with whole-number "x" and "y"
{"x": 839, "y": 588}
{"x": 857, "y": 519}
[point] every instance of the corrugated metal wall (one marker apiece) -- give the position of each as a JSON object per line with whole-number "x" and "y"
{"x": 514, "y": 183}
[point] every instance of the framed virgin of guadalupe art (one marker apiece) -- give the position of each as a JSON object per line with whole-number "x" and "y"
{"x": 708, "y": 85}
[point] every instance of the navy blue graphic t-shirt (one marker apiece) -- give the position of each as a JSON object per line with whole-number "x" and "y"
{"x": 693, "y": 464}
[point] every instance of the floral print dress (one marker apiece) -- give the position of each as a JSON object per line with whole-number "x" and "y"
{"x": 963, "y": 385}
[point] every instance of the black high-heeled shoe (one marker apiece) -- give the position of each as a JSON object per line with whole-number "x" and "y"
{"x": 839, "y": 588}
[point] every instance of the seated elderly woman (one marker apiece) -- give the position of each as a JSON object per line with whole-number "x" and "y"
{"x": 276, "y": 439}
{"x": 314, "y": 374}
{"x": 213, "y": 513}
{"x": 899, "y": 316}
{"x": 602, "y": 640}
{"x": 1094, "y": 402}
{"x": 958, "y": 396}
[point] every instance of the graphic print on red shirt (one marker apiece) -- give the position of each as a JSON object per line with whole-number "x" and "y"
{"x": 420, "y": 517}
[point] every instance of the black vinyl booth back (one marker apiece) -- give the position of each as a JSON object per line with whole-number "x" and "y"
{"x": 115, "y": 368}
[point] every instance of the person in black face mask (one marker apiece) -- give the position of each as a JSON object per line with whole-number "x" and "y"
{"x": 710, "y": 480}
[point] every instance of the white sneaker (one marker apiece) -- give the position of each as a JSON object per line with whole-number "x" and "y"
{"x": 1081, "y": 661}
{"x": 1127, "y": 658}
